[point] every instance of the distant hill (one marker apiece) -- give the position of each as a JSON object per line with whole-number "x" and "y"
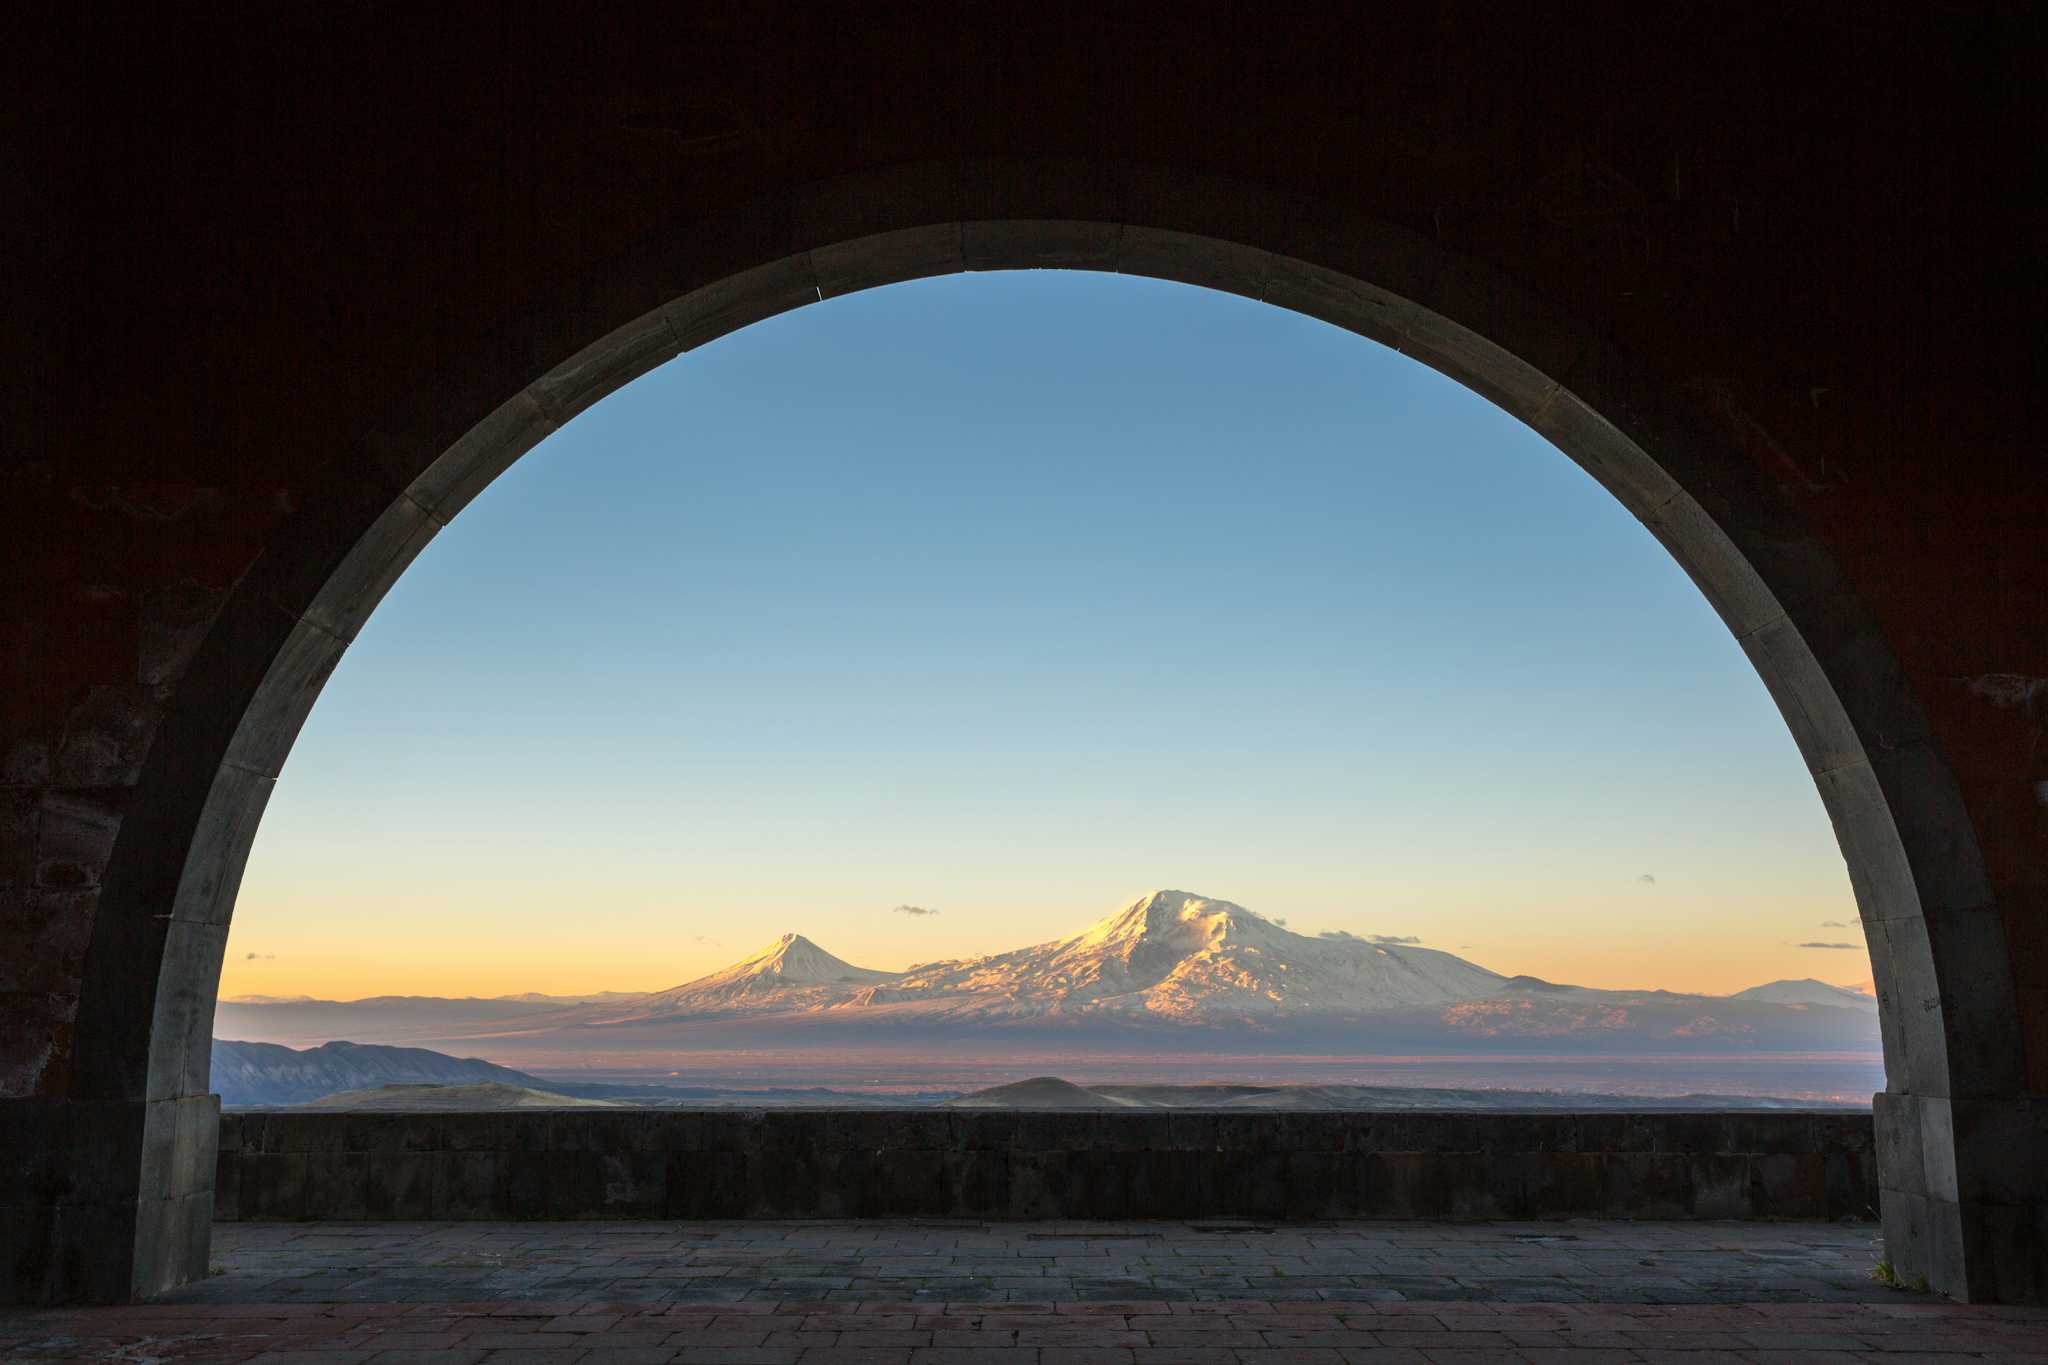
{"x": 1808, "y": 991}
{"x": 1040, "y": 1092}
{"x": 390, "y": 1019}
{"x": 453, "y": 1098}
{"x": 246, "y": 1074}
{"x": 1050, "y": 1092}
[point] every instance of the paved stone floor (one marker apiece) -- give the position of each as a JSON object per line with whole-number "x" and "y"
{"x": 923, "y": 1293}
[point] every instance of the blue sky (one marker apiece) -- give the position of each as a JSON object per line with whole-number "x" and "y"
{"x": 1016, "y": 596}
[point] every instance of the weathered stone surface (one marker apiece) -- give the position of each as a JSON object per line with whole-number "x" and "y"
{"x": 105, "y": 1201}
{"x": 932, "y": 1163}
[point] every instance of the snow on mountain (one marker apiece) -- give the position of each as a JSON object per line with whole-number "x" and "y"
{"x": 1807, "y": 991}
{"x": 1170, "y": 956}
{"x": 1175, "y": 956}
{"x": 791, "y": 973}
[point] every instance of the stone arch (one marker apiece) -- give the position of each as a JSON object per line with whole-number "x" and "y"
{"x": 140, "y": 1051}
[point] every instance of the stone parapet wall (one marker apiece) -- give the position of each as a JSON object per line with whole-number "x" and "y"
{"x": 572, "y": 1164}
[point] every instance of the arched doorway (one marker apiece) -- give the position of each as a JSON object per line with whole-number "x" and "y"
{"x": 154, "y": 960}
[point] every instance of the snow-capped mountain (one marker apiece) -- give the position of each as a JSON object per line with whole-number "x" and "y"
{"x": 1172, "y": 955}
{"x": 791, "y": 973}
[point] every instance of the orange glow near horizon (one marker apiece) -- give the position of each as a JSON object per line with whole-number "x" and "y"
{"x": 1638, "y": 937}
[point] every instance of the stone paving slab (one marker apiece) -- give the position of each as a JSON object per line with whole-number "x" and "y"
{"x": 876, "y": 1293}
{"x": 763, "y": 1332}
{"x": 992, "y": 1263}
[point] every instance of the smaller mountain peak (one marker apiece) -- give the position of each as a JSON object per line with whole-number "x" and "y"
{"x": 794, "y": 958}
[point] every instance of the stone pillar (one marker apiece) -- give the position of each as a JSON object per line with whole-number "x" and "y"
{"x": 1962, "y": 1194}
{"x": 106, "y": 1201}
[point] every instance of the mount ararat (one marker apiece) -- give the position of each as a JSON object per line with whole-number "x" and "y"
{"x": 1172, "y": 970}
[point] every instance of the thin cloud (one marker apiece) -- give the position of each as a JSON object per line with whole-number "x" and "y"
{"x": 1836, "y": 924}
{"x": 260, "y": 957}
{"x": 917, "y": 910}
{"x": 1851, "y": 946}
{"x": 1346, "y": 936}
{"x": 707, "y": 942}
{"x": 1646, "y": 879}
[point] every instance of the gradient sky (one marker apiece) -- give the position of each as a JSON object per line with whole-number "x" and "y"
{"x": 1014, "y": 597}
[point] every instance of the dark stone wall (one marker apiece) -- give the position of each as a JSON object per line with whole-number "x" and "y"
{"x": 567, "y": 1164}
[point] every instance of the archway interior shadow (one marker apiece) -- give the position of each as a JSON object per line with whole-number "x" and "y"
{"x": 1777, "y": 590}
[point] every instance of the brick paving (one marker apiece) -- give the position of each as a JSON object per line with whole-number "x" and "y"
{"x": 901, "y": 1293}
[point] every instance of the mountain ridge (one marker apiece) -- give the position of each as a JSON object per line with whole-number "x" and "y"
{"x": 1807, "y": 991}
{"x": 246, "y": 1073}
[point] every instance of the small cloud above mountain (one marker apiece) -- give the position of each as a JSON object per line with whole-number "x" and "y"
{"x": 1346, "y": 936}
{"x": 706, "y": 941}
{"x": 1829, "y": 945}
{"x": 1646, "y": 879}
{"x": 916, "y": 910}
